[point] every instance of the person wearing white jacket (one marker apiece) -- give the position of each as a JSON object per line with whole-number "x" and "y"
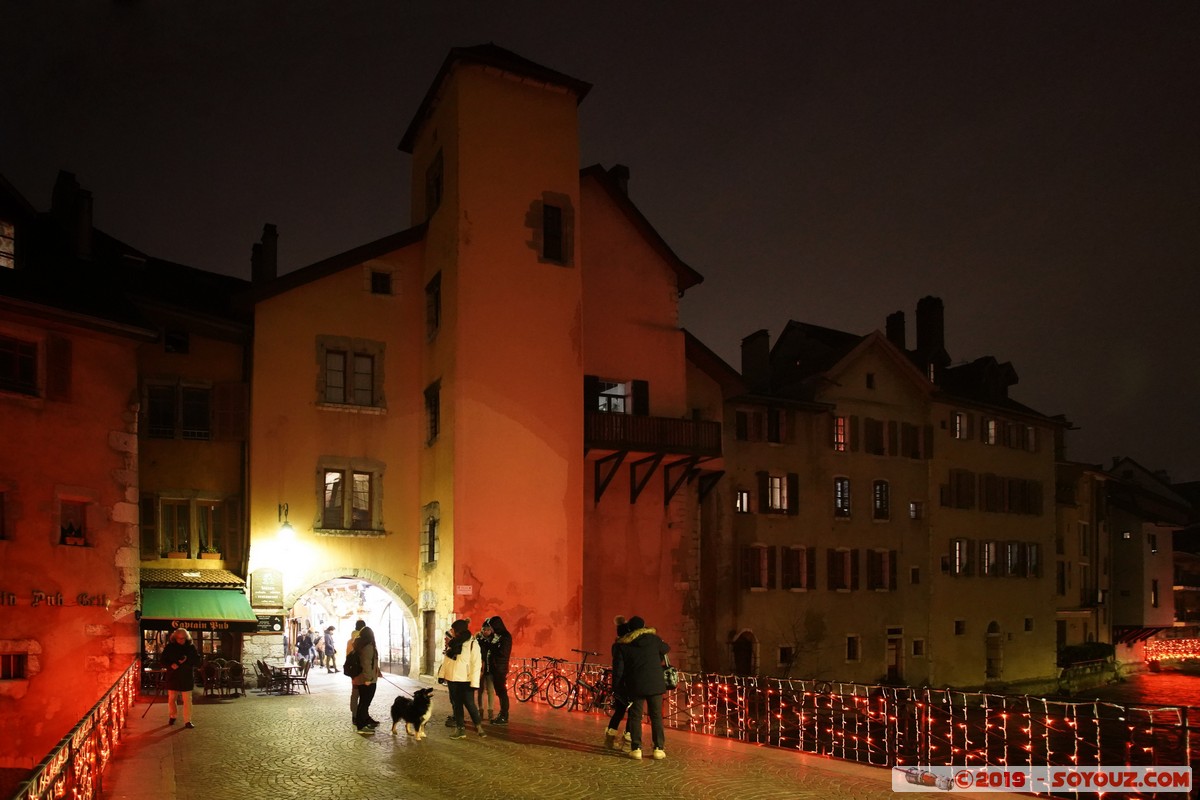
{"x": 460, "y": 669}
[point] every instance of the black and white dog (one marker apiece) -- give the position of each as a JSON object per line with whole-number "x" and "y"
{"x": 414, "y": 712}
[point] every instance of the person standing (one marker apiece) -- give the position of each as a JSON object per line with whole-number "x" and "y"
{"x": 460, "y": 669}
{"x": 330, "y": 650}
{"x": 366, "y": 681}
{"x": 179, "y": 658}
{"x": 619, "y": 695}
{"x": 358, "y": 626}
{"x": 487, "y": 644}
{"x": 498, "y": 660}
{"x": 638, "y": 667}
{"x": 304, "y": 646}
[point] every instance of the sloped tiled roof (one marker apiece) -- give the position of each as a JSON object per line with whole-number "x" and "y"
{"x": 191, "y": 578}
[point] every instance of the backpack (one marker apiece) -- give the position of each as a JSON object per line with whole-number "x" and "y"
{"x": 352, "y": 667}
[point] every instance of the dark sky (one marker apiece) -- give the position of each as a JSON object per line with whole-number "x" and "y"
{"x": 1035, "y": 164}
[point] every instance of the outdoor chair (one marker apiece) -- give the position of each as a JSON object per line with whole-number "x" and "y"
{"x": 235, "y": 678}
{"x": 300, "y": 679}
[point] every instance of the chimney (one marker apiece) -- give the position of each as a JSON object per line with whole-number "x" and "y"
{"x": 895, "y": 330}
{"x": 264, "y": 256}
{"x": 620, "y": 174}
{"x": 71, "y": 208}
{"x": 931, "y": 326}
{"x": 756, "y": 361}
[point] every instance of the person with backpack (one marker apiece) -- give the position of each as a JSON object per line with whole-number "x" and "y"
{"x": 367, "y": 656}
{"x": 358, "y": 626}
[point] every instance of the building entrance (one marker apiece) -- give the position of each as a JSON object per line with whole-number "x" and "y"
{"x": 339, "y": 603}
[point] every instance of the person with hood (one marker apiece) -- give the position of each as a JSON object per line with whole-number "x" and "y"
{"x": 487, "y": 640}
{"x": 461, "y": 665}
{"x": 498, "y": 659}
{"x": 366, "y": 681}
{"x": 180, "y": 658}
{"x": 620, "y": 700}
{"x": 638, "y": 668}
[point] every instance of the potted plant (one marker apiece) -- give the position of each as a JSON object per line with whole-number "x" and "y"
{"x": 210, "y": 552}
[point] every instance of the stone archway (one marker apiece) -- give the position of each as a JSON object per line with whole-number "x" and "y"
{"x": 744, "y": 653}
{"x": 397, "y": 599}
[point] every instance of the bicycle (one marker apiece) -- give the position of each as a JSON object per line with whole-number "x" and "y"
{"x": 548, "y": 680}
{"x": 590, "y": 696}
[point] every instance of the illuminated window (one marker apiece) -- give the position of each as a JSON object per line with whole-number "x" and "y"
{"x": 841, "y": 497}
{"x": 614, "y": 398}
{"x": 174, "y": 519}
{"x": 433, "y": 306}
{"x": 72, "y": 522}
{"x": 1154, "y": 593}
{"x": 960, "y": 557}
{"x": 13, "y": 666}
{"x": 216, "y": 524}
{"x": 959, "y": 425}
{"x": 989, "y": 563}
{"x": 916, "y": 509}
{"x": 18, "y": 366}
{"x": 741, "y": 501}
{"x": 349, "y": 500}
{"x": 991, "y": 431}
{"x": 839, "y": 434}
{"x": 8, "y": 250}
{"x": 777, "y": 493}
{"x": 433, "y": 412}
{"x": 853, "y": 648}
{"x": 881, "y": 506}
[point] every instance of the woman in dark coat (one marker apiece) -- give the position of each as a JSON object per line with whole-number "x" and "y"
{"x": 179, "y": 658}
{"x": 638, "y": 669}
{"x": 498, "y": 658}
{"x": 366, "y": 681}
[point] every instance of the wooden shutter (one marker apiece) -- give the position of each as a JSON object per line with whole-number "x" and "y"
{"x": 772, "y": 555}
{"x": 854, "y": 568}
{"x": 591, "y": 394}
{"x": 810, "y": 568}
{"x": 787, "y": 571}
{"x": 874, "y": 569}
{"x": 893, "y": 445}
{"x": 969, "y": 567}
{"x": 58, "y": 368}
{"x": 641, "y": 398}
{"x": 793, "y": 494}
{"x": 764, "y": 492}
{"x": 891, "y": 576}
{"x": 833, "y": 578}
{"x": 749, "y": 564}
{"x": 853, "y": 434}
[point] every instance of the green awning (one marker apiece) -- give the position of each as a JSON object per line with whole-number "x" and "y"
{"x": 197, "y": 610}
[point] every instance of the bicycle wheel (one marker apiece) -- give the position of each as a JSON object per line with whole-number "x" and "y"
{"x": 524, "y": 686}
{"x": 558, "y": 690}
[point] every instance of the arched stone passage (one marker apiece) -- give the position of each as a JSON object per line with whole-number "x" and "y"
{"x": 359, "y": 573}
{"x": 744, "y": 653}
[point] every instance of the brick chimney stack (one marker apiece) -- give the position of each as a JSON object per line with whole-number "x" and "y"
{"x": 264, "y": 256}
{"x": 756, "y": 361}
{"x": 71, "y": 208}
{"x": 895, "y": 330}
{"x": 620, "y": 174}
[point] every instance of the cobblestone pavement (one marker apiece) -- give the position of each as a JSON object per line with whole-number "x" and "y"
{"x": 303, "y": 746}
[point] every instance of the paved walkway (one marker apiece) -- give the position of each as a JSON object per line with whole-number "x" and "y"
{"x": 303, "y": 746}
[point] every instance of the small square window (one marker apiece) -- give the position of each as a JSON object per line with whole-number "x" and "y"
{"x": 72, "y": 522}
{"x": 853, "y": 648}
{"x": 176, "y": 342}
{"x": 960, "y": 627}
{"x": 381, "y": 282}
{"x": 786, "y": 655}
{"x": 13, "y": 666}
{"x": 918, "y": 648}
{"x": 870, "y": 380}
{"x": 1028, "y": 624}
{"x": 916, "y": 510}
{"x": 914, "y": 575}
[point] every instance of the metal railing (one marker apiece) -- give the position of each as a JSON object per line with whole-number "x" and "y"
{"x": 899, "y": 726}
{"x": 75, "y": 765}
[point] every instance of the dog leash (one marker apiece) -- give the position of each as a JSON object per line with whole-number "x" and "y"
{"x": 397, "y": 688}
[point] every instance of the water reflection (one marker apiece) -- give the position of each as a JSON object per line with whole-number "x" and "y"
{"x": 1150, "y": 688}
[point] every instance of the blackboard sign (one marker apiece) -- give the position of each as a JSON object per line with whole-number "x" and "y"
{"x": 266, "y": 588}
{"x": 270, "y": 623}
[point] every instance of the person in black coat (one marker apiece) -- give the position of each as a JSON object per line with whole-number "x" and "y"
{"x": 179, "y": 658}
{"x": 498, "y": 658}
{"x": 638, "y": 669}
{"x": 620, "y": 700}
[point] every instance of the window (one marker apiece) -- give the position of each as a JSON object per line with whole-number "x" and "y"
{"x": 958, "y": 425}
{"x": 881, "y": 570}
{"x": 1014, "y": 564}
{"x": 434, "y": 185}
{"x": 991, "y": 430}
{"x": 870, "y": 380}
{"x": 778, "y": 495}
{"x": 351, "y": 371}
{"x": 960, "y": 627}
{"x": 1152, "y": 541}
{"x": 429, "y": 541}
{"x": 349, "y": 500}
{"x": 842, "y": 568}
{"x": 1031, "y": 439}
{"x": 960, "y": 557}
{"x": 873, "y": 437}
{"x": 841, "y": 497}
{"x": 914, "y": 575}
{"x": 433, "y": 306}
{"x": 433, "y": 412}
{"x": 614, "y": 397}
{"x": 1154, "y": 593}
{"x": 1028, "y": 624}
{"x": 989, "y": 563}
{"x": 183, "y": 412}
{"x": 1033, "y": 559}
{"x": 211, "y": 534}
{"x": 916, "y": 510}
{"x": 880, "y": 505}
{"x": 196, "y": 416}
{"x": 552, "y": 233}
{"x": 918, "y": 648}
{"x": 853, "y": 648}
{"x": 799, "y": 568}
{"x": 8, "y": 250}
{"x": 72, "y": 522}
{"x": 776, "y": 425}
{"x": 758, "y": 567}
{"x": 18, "y": 366}
{"x": 1060, "y": 578}
{"x": 175, "y": 341}
{"x": 840, "y": 425}
{"x": 175, "y": 521}
{"x": 959, "y": 491}
{"x": 381, "y": 282}
{"x": 14, "y": 666}
{"x": 741, "y": 502}
{"x": 786, "y": 654}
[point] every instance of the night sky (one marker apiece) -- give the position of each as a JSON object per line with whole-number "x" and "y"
{"x": 1037, "y": 165}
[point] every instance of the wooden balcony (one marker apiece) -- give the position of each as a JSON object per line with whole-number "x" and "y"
{"x": 638, "y": 434}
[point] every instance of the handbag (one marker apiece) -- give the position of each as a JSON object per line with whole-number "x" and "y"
{"x": 670, "y": 674}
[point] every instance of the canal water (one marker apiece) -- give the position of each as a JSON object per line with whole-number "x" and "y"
{"x": 1151, "y": 689}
